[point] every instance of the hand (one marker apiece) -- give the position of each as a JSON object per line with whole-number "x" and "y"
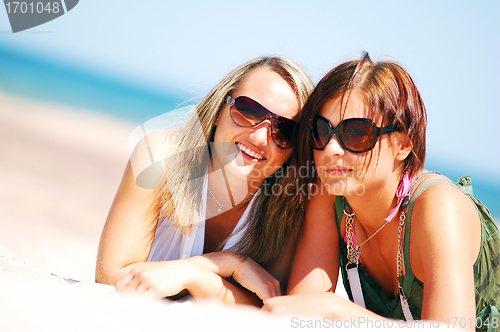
{"x": 155, "y": 280}
{"x": 315, "y": 305}
{"x": 244, "y": 270}
{"x": 255, "y": 278}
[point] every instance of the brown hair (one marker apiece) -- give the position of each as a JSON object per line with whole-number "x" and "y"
{"x": 386, "y": 89}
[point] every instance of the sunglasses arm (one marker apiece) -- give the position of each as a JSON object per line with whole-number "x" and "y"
{"x": 388, "y": 130}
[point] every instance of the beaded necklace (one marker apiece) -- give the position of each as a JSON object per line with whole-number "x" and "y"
{"x": 231, "y": 204}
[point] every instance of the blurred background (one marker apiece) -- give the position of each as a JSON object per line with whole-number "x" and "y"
{"x": 73, "y": 89}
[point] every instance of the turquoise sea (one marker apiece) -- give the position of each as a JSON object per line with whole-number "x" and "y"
{"x": 49, "y": 79}
{"x": 54, "y": 80}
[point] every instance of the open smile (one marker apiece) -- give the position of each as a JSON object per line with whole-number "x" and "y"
{"x": 250, "y": 154}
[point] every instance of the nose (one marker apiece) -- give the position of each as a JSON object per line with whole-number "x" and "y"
{"x": 261, "y": 133}
{"x": 333, "y": 148}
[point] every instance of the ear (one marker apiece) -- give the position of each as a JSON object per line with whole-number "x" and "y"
{"x": 216, "y": 123}
{"x": 404, "y": 146}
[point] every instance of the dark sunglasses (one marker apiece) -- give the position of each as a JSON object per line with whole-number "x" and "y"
{"x": 246, "y": 112}
{"x": 355, "y": 135}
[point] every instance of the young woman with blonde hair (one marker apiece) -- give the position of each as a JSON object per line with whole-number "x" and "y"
{"x": 212, "y": 215}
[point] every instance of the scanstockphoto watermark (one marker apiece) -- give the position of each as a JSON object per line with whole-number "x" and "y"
{"x": 356, "y": 323}
{"x": 368, "y": 323}
{"x": 25, "y": 15}
{"x": 311, "y": 189}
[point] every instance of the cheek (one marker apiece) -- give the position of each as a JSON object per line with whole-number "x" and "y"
{"x": 317, "y": 155}
{"x": 319, "y": 164}
{"x": 378, "y": 165}
{"x": 279, "y": 159}
{"x": 364, "y": 162}
{"x": 225, "y": 129}
{"x": 321, "y": 161}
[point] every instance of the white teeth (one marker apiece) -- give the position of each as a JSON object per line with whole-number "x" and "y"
{"x": 250, "y": 152}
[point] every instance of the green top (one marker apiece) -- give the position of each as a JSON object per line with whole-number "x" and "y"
{"x": 486, "y": 271}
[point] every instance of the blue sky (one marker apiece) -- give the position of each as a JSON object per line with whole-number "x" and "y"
{"x": 451, "y": 49}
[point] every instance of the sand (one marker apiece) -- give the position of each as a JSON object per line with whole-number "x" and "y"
{"x": 59, "y": 171}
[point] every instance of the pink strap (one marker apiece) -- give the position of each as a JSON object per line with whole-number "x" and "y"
{"x": 403, "y": 189}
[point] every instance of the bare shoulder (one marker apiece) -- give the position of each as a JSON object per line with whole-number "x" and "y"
{"x": 446, "y": 200}
{"x": 443, "y": 219}
{"x": 156, "y": 145}
{"x": 148, "y": 154}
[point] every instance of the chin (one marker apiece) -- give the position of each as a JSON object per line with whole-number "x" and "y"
{"x": 336, "y": 187}
{"x": 238, "y": 170}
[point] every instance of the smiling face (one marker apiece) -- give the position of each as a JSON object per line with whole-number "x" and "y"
{"x": 250, "y": 153}
{"x": 347, "y": 173}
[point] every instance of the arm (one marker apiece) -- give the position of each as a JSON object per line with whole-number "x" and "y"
{"x": 129, "y": 229}
{"x": 445, "y": 242}
{"x": 203, "y": 277}
{"x": 129, "y": 232}
{"x": 243, "y": 269}
{"x": 318, "y": 305}
{"x": 316, "y": 262}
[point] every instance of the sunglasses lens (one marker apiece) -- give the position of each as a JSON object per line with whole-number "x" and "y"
{"x": 248, "y": 113}
{"x": 357, "y": 135}
{"x": 282, "y": 133}
{"x": 244, "y": 112}
{"x": 320, "y": 133}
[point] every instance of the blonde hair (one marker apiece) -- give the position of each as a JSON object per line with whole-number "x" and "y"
{"x": 180, "y": 197}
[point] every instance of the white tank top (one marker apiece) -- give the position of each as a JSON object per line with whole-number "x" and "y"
{"x": 170, "y": 244}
